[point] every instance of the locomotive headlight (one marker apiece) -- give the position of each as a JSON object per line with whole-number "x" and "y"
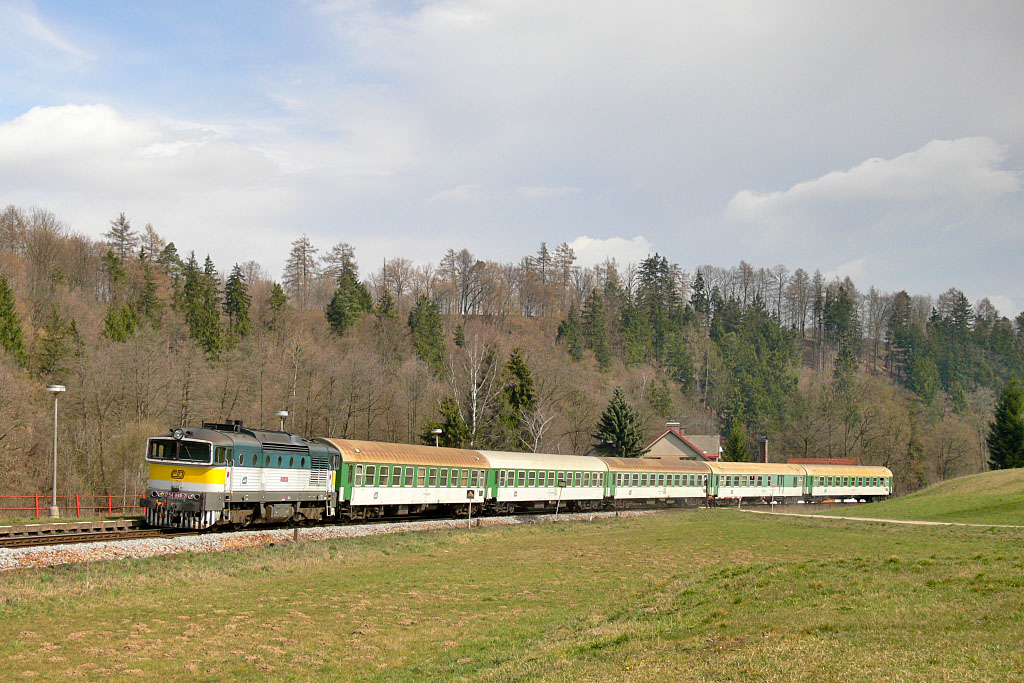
{"x": 178, "y": 434}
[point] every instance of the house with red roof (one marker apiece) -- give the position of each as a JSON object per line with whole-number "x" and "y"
{"x": 675, "y": 443}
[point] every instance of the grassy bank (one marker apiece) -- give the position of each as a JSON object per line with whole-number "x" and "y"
{"x": 712, "y": 595}
{"x": 989, "y": 498}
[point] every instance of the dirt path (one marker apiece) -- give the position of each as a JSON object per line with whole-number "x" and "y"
{"x": 879, "y": 519}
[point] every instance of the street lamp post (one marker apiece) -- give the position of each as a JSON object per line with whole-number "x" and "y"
{"x": 56, "y": 390}
{"x": 437, "y": 431}
{"x": 282, "y": 414}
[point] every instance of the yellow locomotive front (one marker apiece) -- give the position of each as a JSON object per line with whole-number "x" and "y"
{"x": 187, "y": 478}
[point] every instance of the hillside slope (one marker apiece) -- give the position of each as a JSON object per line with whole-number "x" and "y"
{"x": 988, "y": 498}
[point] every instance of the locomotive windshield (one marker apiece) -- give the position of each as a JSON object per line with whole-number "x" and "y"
{"x": 178, "y": 451}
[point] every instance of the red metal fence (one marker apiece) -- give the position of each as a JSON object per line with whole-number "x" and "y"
{"x": 38, "y": 505}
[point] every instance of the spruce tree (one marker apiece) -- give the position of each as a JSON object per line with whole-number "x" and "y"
{"x": 349, "y": 303}
{"x": 276, "y": 302}
{"x": 119, "y": 323}
{"x": 199, "y": 303}
{"x": 595, "y": 331}
{"x": 149, "y": 304}
{"x": 619, "y": 431}
{"x": 570, "y": 333}
{"x": 454, "y": 430}
{"x": 518, "y": 398}
{"x": 12, "y": 338}
{"x": 1006, "y": 432}
{"x": 236, "y": 303}
{"x": 460, "y": 336}
{"x": 427, "y": 332}
{"x": 735, "y": 448}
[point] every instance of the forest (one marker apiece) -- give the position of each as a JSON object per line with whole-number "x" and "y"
{"x": 526, "y": 355}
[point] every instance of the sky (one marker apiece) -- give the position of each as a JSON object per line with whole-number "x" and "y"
{"x": 879, "y": 140}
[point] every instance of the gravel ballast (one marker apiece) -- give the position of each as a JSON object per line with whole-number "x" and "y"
{"x": 48, "y": 556}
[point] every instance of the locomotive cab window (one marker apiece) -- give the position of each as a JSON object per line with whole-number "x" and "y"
{"x": 181, "y": 451}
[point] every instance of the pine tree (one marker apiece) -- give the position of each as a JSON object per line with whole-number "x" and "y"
{"x": 619, "y": 431}
{"x": 121, "y": 238}
{"x": 236, "y": 303}
{"x": 12, "y": 338}
{"x": 1006, "y": 432}
{"x": 349, "y": 303}
{"x": 427, "y": 332}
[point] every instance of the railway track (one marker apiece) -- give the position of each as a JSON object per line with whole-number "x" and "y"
{"x": 73, "y": 537}
{"x": 91, "y": 537}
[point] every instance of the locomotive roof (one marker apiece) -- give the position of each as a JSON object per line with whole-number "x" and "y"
{"x": 544, "y": 461}
{"x": 655, "y": 465}
{"x": 847, "y": 471}
{"x": 406, "y": 454}
{"x": 755, "y": 468}
{"x": 217, "y": 438}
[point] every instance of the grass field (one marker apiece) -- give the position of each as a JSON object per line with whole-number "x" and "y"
{"x": 688, "y": 595}
{"x": 989, "y": 498}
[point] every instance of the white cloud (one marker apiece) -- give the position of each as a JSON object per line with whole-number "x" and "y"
{"x": 24, "y": 23}
{"x": 591, "y": 251}
{"x": 542, "y": 192}
{"x": 963, "y": 171}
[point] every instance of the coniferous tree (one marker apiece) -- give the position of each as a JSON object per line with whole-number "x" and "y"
{"x": 12, "y": 337}
{"x": 301, "y": 270}
{"x": 619, "y": 431}
{"x": 236, "y": 303}
{"x": 735, "y": 448}
{"x": 59, "y": 341}
{"x": 119, "y": 323}
{"x": 121, "y": 238}
{"x": 1005, "y": 438}
{"x": 350, "y": 301}
{"x": 148, "y": 304}
{"x": 518, "y": 398}
{"x": 570, "y": 333}
{"x": 427, "y": 332}
{"x": 460, "y": 336}
{"x": 455, "y": 433}
{"x": 595, "y": 330}
{"x": 276, "y": 302}
{"x": 200, "y": 305}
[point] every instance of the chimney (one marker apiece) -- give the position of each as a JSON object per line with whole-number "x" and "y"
{"x": 674, "y": 426}
{"x": 763, "y": 449}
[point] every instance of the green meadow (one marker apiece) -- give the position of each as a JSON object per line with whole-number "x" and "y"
{"x": 684, "y": 595}
{"x": 990, "y": 498}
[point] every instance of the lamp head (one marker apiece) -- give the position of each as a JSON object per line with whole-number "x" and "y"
{"x": 56, "y": 388}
